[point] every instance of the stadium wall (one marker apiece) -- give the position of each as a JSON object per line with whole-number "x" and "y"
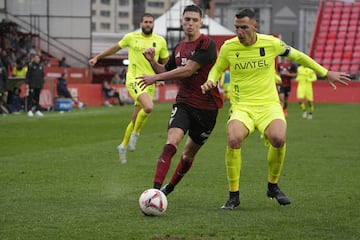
{"x": 323, "y": 93}
{"x": 91, "y": 94}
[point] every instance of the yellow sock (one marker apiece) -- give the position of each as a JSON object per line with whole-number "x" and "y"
{"x": 233, "y": 167}
{"x": 302, "y": 106}
{"x": 311, "y": 109}
{"x": 140, "y": 120}
{"x": 127, "y": 135}
{"x": 275, "y": 160}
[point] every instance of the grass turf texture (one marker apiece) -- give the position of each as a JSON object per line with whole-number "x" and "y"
{"x": 60, "y": 179}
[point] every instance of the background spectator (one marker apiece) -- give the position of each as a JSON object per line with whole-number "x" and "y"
{"x": 35, "y": 82}
{"x": 110, "y": 94}
{"x": 62, "y": 62}
{"x": 3, "y": 87}
{"x": 63, "y": 91}
{"x": 116, "y": 79}
{"x": 16, "y": 103}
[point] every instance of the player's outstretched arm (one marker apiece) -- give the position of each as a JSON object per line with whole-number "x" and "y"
{"x": 110, "y": 51}
{"x": 340, "y": 77}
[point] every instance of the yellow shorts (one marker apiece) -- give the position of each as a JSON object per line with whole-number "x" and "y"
{"x": 256, "y": 116}
{"x": 135, "y": 91}
{"x": 305, "y": 92}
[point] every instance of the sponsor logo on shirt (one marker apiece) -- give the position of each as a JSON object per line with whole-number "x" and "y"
{"x": 256, "y": 64}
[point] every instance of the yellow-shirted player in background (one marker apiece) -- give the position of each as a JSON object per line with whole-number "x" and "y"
{"x": 254, "y": 99}
{"x": 225, "y": 84}
{"x": 137, "y": 43}
{"x": 304, "y": 93}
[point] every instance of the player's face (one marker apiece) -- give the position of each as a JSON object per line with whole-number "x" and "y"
{"x": 245, "y": 30}
{"x": 191, "y": 23}
{"x": 147, "y": 25}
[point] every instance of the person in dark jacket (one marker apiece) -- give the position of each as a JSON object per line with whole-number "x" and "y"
{"x": 63, "y": 91}
{"x": 34, "y": 83}
{"x": 3, "y": 88}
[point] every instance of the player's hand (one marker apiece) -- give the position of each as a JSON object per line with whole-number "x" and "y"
{"x": 149, "y": 54}
{"x": 146, "y": 80}
{"x": 208, "y": 85}
{"x": 340, "y": 77}
{"x": 93, "y": 61}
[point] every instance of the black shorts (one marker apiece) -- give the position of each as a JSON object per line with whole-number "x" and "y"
{"x": 65, "y": 94}
{"x": 199, "y": 123}
{"x": 285, "y": 90}
{"x": 3, "y": 86}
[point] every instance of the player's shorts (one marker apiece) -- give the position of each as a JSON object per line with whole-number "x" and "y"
{"x": 256, "y": 116}
{"x": 285, "y": 90}
{"x": 135, "y": 91}
{"x": 305, "y": 92}
{"x": 198, "y": 122}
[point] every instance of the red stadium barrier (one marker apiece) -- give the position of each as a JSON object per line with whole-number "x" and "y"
{"x": 323, "y": 93}
{"x": 73, "y": 75}
{"x": 91, "y": 94}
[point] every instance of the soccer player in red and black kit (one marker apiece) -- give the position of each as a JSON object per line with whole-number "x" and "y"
{"x": 287, "y": 71}
{"x": 193, "y": 112}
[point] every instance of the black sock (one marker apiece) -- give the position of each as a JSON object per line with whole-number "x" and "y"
{"x": 157, "y": 185}
{"x": 234, "y": 194}
{"x": 169, "y": 188}
{"x": 272, "y": 186}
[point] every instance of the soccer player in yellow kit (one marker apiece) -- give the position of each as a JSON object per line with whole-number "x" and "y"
{"x": 254, "y": 99}
{"x": 137, "y": 43}
{"x": 304, "y": 92}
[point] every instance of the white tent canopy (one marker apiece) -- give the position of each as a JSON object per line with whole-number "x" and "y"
{"x": 171, "y": 19}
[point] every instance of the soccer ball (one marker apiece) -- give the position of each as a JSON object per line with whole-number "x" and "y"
{"x": 153, "y": 202}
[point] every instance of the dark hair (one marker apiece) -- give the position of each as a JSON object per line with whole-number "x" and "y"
{"x": 245, "y": 12}
{"x": 193, "y": 8}
{"x": 146, "y": 15}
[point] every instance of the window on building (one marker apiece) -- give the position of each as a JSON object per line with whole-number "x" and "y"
{"x": 124, "y": 2}
{"x": 93, "y": 12}
{"x": 105, "y": 13}
{"x": 106, "y": 2}
{"x": 123, "y": 14}
{"x": 93, "y": 27}
{"x": 123, "y": 27}
{"x": 155, "y": 4}
{"x": 105, "y": 26}
{"x": 93, "y": 1}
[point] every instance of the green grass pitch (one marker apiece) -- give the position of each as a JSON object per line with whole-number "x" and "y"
{"x": 60, "y": 179}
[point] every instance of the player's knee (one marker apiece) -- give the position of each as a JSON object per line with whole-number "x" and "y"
{"x": 277, "y": 142}
{"x": 148, "y": 109}
{"x": 234, "y": 143}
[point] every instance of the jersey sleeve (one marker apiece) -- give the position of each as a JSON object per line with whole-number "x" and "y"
{"x": 164, "y": 53}
{"x": 205, "y": 52}
{"x": 306, "y": 61}
{"x": 220, "y": 65}
{"x": 124, "y": 42}
{"x": 299, "y": 57}
{"x": 171, "y": 64}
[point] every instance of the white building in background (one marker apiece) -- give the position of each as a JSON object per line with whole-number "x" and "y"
{"x": 77, "y": 29}
{"x": 292, "y": 20}
{"x": 116, "y": 16}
